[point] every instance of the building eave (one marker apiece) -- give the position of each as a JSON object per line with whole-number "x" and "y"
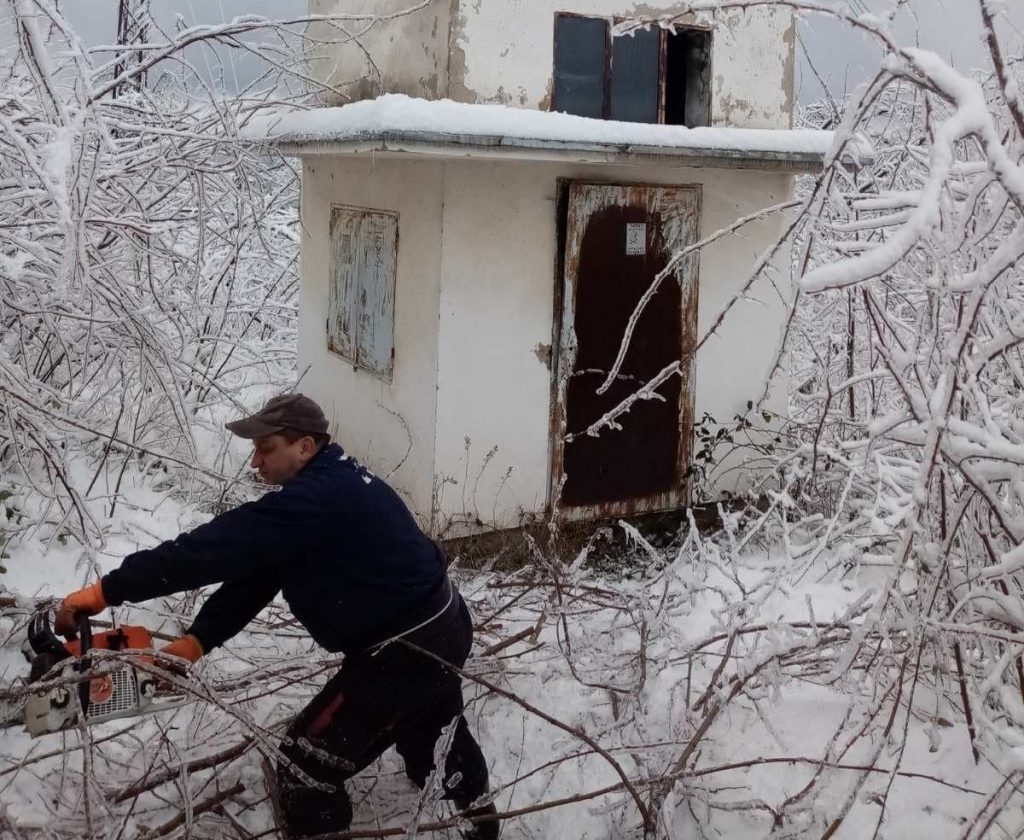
{"x": 396, "y": 125}
{"x": 428, "y": 145}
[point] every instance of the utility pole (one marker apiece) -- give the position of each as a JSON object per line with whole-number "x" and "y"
{"x": 132, "y": 28}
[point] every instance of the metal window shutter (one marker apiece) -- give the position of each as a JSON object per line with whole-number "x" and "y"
{"x": 636, "y": 76}
{"x": 361, "y": 297}
{"x": 581, "y": 46}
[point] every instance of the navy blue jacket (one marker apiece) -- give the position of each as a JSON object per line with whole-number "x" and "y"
{"x": 338, "y": 542}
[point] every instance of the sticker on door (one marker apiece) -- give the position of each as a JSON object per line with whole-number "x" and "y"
{"x": 636, "y": 239}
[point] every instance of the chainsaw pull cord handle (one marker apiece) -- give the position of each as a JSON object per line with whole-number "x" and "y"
{"x": 85, "y": 635}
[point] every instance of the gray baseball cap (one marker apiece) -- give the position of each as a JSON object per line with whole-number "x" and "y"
{"x": 287, "y": 411}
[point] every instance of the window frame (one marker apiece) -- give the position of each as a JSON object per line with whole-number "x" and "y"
{"x": 609, "y": 51}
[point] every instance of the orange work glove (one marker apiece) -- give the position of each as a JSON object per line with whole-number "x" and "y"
{"x": 187, "y": 647}
{"x": 89, "y": 601}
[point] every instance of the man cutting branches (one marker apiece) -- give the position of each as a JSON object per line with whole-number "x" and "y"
{"x": 360, "y": 575}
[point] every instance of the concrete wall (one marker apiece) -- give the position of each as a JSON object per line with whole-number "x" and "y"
{"x": 406, "y": 54}
{"x": 504, "y": 52}
{"x": 497, "y": 305}
{"x": 494, "y": 355}
{"x": 733, "y": 365}
{"x": 465, "y": 423}
{"x": 388, "y": 426}
{"x": 469, "y": 405}
{"x": 753, "y": 66}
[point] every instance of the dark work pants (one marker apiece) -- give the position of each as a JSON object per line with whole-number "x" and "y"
{"x": 397, "y": 697}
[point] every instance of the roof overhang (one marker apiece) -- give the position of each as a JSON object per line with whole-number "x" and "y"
{"x": 399, "y": 126}
{"x": 413, "y": 144}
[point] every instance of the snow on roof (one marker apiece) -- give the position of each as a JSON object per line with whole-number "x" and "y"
{"x": 402, "y": 124}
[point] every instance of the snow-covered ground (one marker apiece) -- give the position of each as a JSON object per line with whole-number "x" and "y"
{"x": 625, "y": 659}
{"x": 822, "y": 676}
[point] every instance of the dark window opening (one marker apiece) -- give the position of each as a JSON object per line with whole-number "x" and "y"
{"x": 645, "y": 75}
{"x": 688, "y": 77}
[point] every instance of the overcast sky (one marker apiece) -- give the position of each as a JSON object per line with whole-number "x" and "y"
{"x": 952, "y": 28}
{"x": 842, "y": 58}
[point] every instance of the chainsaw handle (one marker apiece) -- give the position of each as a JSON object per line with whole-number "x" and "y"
{"x": 85, "y": 636}
{"x": 84, "y": 632}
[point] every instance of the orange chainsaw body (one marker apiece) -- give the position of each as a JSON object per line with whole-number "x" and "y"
{"x": 123, "y": 638}
{"x": 124, "y": 691}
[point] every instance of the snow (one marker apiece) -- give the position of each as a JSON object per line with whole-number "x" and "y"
{"x": 400, "y": 117}
{"x": 971, "y": 117}
{"x": 764, "y": 748}
{"x": 860, "y": 624}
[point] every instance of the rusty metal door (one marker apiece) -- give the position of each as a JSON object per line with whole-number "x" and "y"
{"x": 618, "y": 240}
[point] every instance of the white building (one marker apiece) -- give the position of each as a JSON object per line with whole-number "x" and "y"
{"x": 471, "y": 260}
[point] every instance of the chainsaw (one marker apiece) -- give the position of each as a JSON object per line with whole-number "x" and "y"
{"x": 124, "y": 691}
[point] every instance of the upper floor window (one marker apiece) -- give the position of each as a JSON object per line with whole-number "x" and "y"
{"x": 646, "y": 75}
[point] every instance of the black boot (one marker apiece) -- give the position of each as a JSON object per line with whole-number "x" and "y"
{"x": 482, "y": 830}
{"x": 308, "y": 812}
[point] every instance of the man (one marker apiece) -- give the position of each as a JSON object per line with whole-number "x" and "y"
{"x": 360, "y": 575}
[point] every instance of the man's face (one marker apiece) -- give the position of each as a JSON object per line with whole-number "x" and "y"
{"x": 278, "y": 461}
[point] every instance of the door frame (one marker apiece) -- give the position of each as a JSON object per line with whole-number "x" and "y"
{"x": 679, "y": 496}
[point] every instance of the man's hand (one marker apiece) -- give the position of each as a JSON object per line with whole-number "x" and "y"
{"x": 187, "y": 647}
{"x": 88, "y": 601}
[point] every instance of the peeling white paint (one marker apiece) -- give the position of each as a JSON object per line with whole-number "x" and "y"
{"x": 406, "y": 55}
{"x": 388, "y": 425}
{"x": 474, "y": 302}
{"x": 752, "y": 69}
{"x": 463, "y": 428}
{"x": 509, "y": 56}
{"x": 502, "y": 51}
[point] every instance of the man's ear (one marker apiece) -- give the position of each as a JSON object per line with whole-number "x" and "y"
{"x": 308, "y": 447}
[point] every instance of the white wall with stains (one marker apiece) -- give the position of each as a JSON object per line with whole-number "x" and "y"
{"x": 387, "y": 425}
{"x": 502, "y": 51}
{"x": 474, "y": 313}
{"x": 406, "y": 54}
{"x": 494, "y": 380}
{"x": 496, "y": 322}
{"x": 463, "y": 430}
